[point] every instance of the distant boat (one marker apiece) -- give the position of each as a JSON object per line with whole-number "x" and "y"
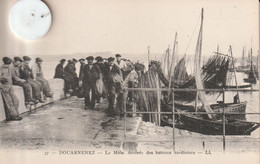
{"x": 251, "y": 75}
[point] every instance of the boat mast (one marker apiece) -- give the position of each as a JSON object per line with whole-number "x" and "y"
{"x": 234, "y": 72}
{"x": 173, "y": 61}
{"x": 243, "y": 57}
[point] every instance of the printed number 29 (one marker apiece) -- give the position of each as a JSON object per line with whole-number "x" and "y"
{"x": 46, "y": 153}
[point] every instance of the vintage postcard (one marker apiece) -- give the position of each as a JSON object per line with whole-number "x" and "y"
{"x": 133, "y": 81}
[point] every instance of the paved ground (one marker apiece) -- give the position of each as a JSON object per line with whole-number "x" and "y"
{"x": 66, "y": 125}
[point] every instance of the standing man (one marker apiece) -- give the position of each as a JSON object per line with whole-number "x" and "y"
{"x": 99, "y": 62}
{"x": 91, "y": 74}
{"x": 113, "y": 80}
{"x": 11, "y": 102}
{"x": 70, "y": 76}
{"x": 119, "y": 62}
{"x": 38, "y": 76}
{"x": 27, "y": 89}
{"x": 59, "y": 71}
{"x": 26, "y": 74}
{"x": 82, "y": 65}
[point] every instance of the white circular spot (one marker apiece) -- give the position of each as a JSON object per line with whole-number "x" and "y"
{"x": 30, "y": 19}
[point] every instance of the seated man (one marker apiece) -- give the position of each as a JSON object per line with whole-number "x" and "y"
{"x": 26, "y": 74}
{"x": 11, "y": 102}
{"x": 15, "y": 71}
{"x": 38, "y": 76}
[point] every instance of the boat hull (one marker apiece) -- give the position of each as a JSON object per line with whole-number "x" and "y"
{"x": 210, "y": 127}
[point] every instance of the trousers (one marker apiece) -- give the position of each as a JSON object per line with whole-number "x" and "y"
{"x": 11, "y": 103}
{"x": 27, "y": 90}
{"x": 45, "y": 86}
{"x": 36, "y": 89}
{"x": 87, "y": 89}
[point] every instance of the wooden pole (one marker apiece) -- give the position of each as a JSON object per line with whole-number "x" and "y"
{"x": 234, "y": 72}
{"x": 224, "y": 125}
{"x": 148, "y": 49}
{"x": 173, "y": 122}
{"x": 158, "y": 99}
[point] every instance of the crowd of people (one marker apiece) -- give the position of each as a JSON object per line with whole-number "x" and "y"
{"x": 104, "y": 78}
{"x": 98, "y": 78}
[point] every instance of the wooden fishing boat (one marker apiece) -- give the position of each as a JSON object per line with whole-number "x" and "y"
{"x": 251, "y": 75}
{"x": 232, "y": 110}
{"x": 197, "y": 123}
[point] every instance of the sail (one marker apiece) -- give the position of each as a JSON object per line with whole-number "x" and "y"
{"x": 180, "y": 72}
{"x": 199, "y": 84}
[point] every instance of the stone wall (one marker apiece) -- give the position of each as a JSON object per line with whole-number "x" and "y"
{"x": 57, "y": 87}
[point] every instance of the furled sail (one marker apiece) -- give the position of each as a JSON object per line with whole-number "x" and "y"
{"x": 199, "y": 84}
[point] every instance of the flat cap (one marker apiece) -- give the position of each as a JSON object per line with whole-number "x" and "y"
{"x": 62, "y": 60}
{"x": 99, "y": 58}
{"x": 90, "y": 58}
{"x": 26, "y": 58}
{"x": 7, "y": 60}
{"x": 118, "y": 55}
{"x": 75, "y": 60}
{"x": 82, "y": 59}
{"x": 18, "y": 59}
{"x": 38, "y": 60}
{"x": 110, "y": 59}
{"x": 70, "y": 61}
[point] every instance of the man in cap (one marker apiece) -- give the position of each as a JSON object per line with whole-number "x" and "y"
{"x": 91, "y": 74}
{"x": 38, "y": 76}
{"x": 119, "y": 62}
{"x": 82, "y": 65}
{"x": 15, "y": 71}
{"x": 27, "y": 74}
{"x": 112, "y": 80}
{"x": 71, "y": 79}
{"x": 59, "y": 71}
{"x": 11, "y": 102}
{"x": 74, "y": 63}
{"x": 99, "y": 62}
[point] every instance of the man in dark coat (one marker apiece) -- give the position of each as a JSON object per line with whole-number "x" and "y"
{"x": 99, "y": 62}
{"x": 59, "y": 71}
{"x": 113, "y": 86}
{"x": 91, "y": 74}
{"x": 82, "y": 65}
{"x": 71, "y": 79}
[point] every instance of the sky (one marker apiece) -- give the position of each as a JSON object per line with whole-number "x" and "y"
{"x": 130, "y": 26}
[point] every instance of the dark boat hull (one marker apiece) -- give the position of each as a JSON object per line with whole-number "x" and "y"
{"x": 232, "y": 110}
{"x": 209, "y": 127}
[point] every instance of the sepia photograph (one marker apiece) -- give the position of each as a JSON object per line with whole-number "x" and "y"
{"x": 133, "y": 81}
